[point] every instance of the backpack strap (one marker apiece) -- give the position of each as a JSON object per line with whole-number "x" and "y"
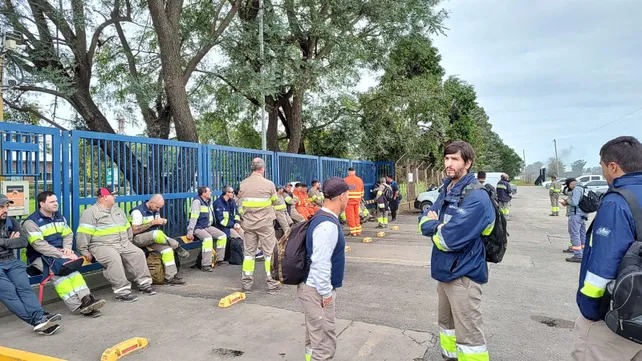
{"x": 634, "y": 204}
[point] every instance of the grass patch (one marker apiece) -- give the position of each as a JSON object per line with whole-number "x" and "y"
{"x": 521, "y": 183}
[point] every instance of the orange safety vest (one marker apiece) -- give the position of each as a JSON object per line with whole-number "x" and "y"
{"x": 354, "y": 195}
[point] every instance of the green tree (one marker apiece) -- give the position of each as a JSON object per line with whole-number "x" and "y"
{"x": 577, "y": 167}
{"x": 315, "y": 47}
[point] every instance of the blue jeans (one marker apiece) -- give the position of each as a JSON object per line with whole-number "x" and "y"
{"x": 16, "y": 293}
{"x": 577, "y": 231}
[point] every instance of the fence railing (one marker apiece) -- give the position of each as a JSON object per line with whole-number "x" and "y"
{"x": 75, "y": 164}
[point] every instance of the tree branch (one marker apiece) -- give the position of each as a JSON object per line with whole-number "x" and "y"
{"x": 115, "y": 19}
{"x": 32, "y": 88}
{"x": 34, "y": 112}
{"x": 215, "y": 33}
{"x": 234, "y": 88}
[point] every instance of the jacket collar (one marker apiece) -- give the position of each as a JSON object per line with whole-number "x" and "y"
{"x": 458, "y": 188}
{"x": 634, "y": 178}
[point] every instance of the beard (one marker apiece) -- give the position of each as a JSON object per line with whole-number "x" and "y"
{"x": 456, "y": 174}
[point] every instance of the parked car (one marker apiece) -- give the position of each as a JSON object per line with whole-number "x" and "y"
{"x": 426, "y": 199}
{"x": 581, "y": 180}
{"x": 547, "y": 184}
{"x": 598, "y": 186}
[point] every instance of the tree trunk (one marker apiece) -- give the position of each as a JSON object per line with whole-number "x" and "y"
{"x": 273, "y": 124}
{"x": 84, "y": 104}
{"x": 295, "y": 122}
{"x": 169, "y": 45}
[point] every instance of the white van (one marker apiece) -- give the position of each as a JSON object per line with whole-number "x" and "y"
{"x": 581, "y": 180}
{"x": 426, "y": 199}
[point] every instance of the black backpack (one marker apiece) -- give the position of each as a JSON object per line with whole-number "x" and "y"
{"x": 289, "y": 259}
{"x": 624, "y": 316}
{"x": 497, "y": 241}
{"x": 590, "y": 201}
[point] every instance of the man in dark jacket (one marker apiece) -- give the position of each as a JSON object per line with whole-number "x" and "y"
{"x": 15, "y": 291}
{"x": 504, "y": 195}
{"x": 612, "y": 234}
{"x": 455, "y": 224}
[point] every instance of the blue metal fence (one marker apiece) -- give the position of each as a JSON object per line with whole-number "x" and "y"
{"x": 297, "y": 168}
{"x": 74, "y": 165}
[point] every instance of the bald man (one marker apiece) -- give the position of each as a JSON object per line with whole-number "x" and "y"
{"x": 146, "y": 225}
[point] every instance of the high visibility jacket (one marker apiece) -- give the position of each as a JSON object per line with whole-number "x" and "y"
{"x": 280, "y": 205}
{"x": 257, "y": 195}
{"x": 104, "y": 227}
{"x": 556, "y": 187}
{"x": 226, "y": 214}
{"x": 354, "y": 195}
{"x": 315, "y": 197}
{"x": 612, "y": 234}
{"x": 147, "y": 216}
{"x": 458, "y": 248}
{"x": 503, "y": 191}
{"x": 201, "y": 215}
{"x": 289, "y": 200}
{"x": 47, "y": 235}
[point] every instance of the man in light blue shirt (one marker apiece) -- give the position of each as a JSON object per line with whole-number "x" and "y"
{"x": 576, "y": 220}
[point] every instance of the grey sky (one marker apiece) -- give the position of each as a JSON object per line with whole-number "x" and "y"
{"x": 550, "y": 69}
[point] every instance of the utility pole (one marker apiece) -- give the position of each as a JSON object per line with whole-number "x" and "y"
{"x": 524, "y": 160}
{"x": 262, "y": 95}
{"x": 557, "y": 162}
{"x": 121, "y": 124}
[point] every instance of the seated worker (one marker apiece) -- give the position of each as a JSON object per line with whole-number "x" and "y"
{"x": 315, "y": 196}
{"x": 227, "y": 215}
{"x": 49, "y": 251}
{"x": 15, "y": 291}
{"x": 146, "y": 226}
{"x": 281, "y": 209}
{"x": 104, "y": 232}
{"x": 201, "y": 224}
{"x": 291, "y": 200}
{"x": 304, "y": 207}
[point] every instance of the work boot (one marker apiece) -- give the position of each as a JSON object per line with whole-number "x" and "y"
{"x": 568, "y": 250}
{"x": 148, "y": 291}
{"x": 379, "y": 226}
{"x": 174, "y": 282}
{"x": 246, "y": 290}
{"x": 128, "y": 298}
{"x": 90, "y": 304}
{"x": 259, "y": 256}
{"x": 207, "y": 269}
{"x": 574, "y": 259}
{"x": 275, "y": 290}
{"x": 222, "y": 263}
{"x": 182, "y": 253}
{"x": 93, "y": 314}
{"x": 552, "y": 214}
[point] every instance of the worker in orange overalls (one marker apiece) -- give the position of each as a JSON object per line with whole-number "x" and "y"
{"x": 355, "y": 195}
{"x": 304, "y": 207}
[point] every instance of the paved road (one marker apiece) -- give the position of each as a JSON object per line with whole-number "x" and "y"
{"x": 386, "y": 309}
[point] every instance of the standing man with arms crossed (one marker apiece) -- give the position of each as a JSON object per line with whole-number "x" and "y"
{"x": 458, "y": 263}
{"x": 257, "y": 196}
{"x": 355, "y": 195}
{"x": 394, "y": 202}
{"x": 612, "y": 234}
{"x": 325, "y": 248}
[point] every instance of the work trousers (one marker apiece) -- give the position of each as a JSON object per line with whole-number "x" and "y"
{"x": 382, "y": 214}
{"x": 394, "y": 206}
{"x": 159, "y": 242}
{"x": 207, "y": 235}
{"x": 352, "y": 215}
{"x": 71, "y": 288}
{"x": 320, "y": 327}
{"x": 119, "y": 261}
{"x": 460, "y": 320}
{"x": 577, "y": 231}
{"x": 283, "y": 219}
{"x": 264, "y": 239}
{"x": 555, "y": 206}
{"x": 594, "y": 341}
{"x": 504, "y": 208}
